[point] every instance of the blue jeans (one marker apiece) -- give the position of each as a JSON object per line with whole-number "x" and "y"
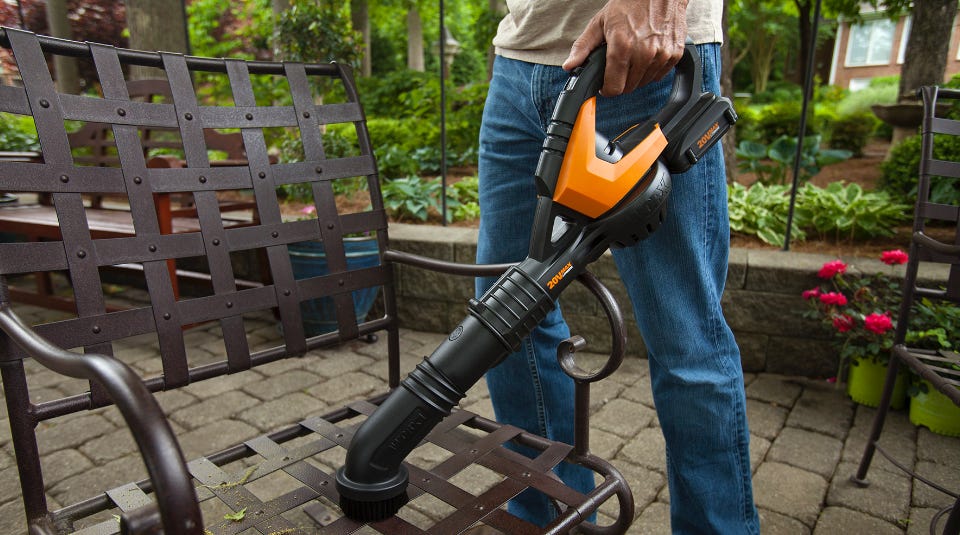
{"x": 675, "y": 280}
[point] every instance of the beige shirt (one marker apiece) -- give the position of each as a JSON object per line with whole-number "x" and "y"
{"x": 541, "y": 31}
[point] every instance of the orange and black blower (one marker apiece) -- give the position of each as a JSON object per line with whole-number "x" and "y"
{"x": 593, "y": 194}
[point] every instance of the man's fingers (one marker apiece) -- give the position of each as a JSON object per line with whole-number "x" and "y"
{"x": 588, "y": 40}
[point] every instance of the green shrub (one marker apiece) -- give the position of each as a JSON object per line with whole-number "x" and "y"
{"x": 934, "y": 325}
{"x": 746, "y": 127}
{"x": 878, "y": 92}
{"x": 899, "y": 171}
{"x": 779, "y": 92}
{"x": 761, "y": 211}
{"x": 465, "y": 197}
{"x": 829, "y": 94}
{"x": 852, "y": 132}
{"x": 18, "y": 133}
{"x": 783, "y": 119}
{"x": 753, "y": 157}
{"x": 848, "y": 211}
{"x": 838, "y": 211}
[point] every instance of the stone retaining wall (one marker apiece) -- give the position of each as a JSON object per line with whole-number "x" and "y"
{"x": 762, "y": 301}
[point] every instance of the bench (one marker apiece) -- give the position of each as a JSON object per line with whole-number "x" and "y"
{"x": 93, "y": 144}
{"x": 92, "y": 344}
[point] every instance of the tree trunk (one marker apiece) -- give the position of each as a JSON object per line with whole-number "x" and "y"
{"x": 806, "y": 40}
{"x": 925, "y": 58}
{"x": 156, "y": 25}
{"x": 68, "y": 79}
{"x": 729, "y": 141}
{"x": 278, "y": 6}
{"x": 360, "y": 19}
{"x": 414, "y": 40}
{"x": 499, "y": 8}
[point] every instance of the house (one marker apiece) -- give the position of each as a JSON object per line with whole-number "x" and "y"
{"x": 875, "y": 47}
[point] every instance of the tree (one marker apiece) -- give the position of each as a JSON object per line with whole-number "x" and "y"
{"x": 757, "y": 32}
{"x": 925, "y": 58}
{"x": 317, "y": 31}
{"x": 68, "y": 79}
{"x": 414, "y": 39}
{"x": 360, "y": 19}
{"x": 156, "y": 25}
{"x": 728, "y": 142}
{"x": 99, "y": 21}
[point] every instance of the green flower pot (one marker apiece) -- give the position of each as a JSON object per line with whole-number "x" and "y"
{"x": 936, "y": 412}
{"x": 865, "y": 384}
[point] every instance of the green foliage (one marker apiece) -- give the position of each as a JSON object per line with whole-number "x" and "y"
{"x": 405, "y": 127}
{"x": 844, "y": 212}
{"x": 18, "y": 133}
{"x": 899, "y": 171}
{"x": 934, "y": 325}
{"x": 317, "y": 31}
{"x": 772, "y": 164}
{"x": 829, "y": 94}
{"x": 746, "y": 127}
{"x": 416, "y": 198}
{"x": 852, "y": 132}
{"x": 761, "y": 211}
{"x": 849, "y": 211}
{"x": 783, "y": 119}
{"x": 883, "y": 91}
{"x": 411, "y": 197}
{"x": 465, "y": 197}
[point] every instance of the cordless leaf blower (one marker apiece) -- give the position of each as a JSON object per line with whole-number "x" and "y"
{"x": 592, "y": 194}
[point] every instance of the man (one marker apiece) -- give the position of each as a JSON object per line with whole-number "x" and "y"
{"x": 674, "y": 278}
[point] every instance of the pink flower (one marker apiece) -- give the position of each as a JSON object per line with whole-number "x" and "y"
{"x": 843, "y": 323}
{"x": 811, "y": 293}
{"x": 877, "y": 323}
{"x": 893, "y": 257}
{"x": 832, "y": 268}
{"x": 308, "y": 210}
{"x": 833, "y": 298}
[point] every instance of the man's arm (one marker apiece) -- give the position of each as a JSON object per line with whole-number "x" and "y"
{"x": 645, "y": 39}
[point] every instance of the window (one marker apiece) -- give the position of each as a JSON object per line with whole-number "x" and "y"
{"x": 856, "y": 84}
{"x": 871, "y": 43}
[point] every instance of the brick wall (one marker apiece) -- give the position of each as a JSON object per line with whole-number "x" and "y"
{"x": 762, "y": 301}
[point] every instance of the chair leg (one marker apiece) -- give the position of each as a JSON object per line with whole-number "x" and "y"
{"x": 953, "y": 521}
{"x": 860, "y": 478}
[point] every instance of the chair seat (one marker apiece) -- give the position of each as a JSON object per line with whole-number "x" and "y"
{"x": 940, "y": 368}
{"x": 460, "y": 475}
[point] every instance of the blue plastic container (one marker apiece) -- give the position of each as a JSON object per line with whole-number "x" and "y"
{"x": 308, "y": 259}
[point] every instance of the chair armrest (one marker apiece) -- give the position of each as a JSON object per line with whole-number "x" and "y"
{"x": 158, "y": 445}
{"x": 930, "y": 243}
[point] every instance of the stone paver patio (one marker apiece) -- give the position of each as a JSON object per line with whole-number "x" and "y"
{"x": 806, "y": 435}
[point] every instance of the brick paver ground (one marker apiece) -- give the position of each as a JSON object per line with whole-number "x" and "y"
{"x": 806, "y": 435}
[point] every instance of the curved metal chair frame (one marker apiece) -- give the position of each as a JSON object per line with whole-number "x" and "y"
{"x": 83, "y": 346}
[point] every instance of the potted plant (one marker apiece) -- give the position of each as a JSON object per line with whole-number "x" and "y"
{"x": 308, "y": 259}
{"x": 934, "y": 326}
{"x": 861, "y": 311}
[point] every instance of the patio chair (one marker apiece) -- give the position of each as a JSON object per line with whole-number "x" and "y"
{"x": 177, "y": 497}
{"x": 940, "y": 368}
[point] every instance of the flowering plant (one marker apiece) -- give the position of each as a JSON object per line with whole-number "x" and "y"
{"x": 861, "y": 311}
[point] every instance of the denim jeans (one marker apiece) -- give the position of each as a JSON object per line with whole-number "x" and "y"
{"x": 674, "y": 279}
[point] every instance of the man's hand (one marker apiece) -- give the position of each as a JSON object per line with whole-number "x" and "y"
{"x": 645, "y": 39}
